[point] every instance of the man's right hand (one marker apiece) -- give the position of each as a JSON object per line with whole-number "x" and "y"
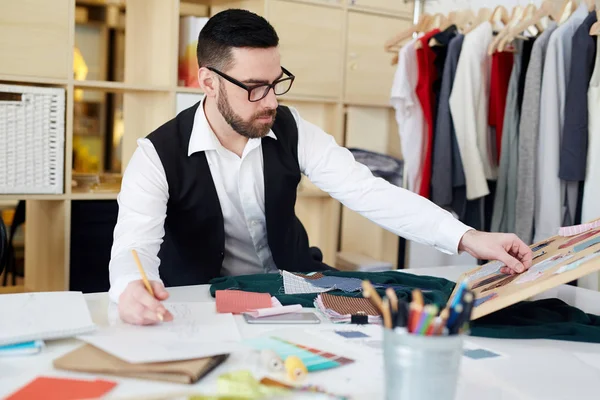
{"x": 138, "y": 307}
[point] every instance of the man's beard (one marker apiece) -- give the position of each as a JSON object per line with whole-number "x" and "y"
{"x": 250, "y": 129}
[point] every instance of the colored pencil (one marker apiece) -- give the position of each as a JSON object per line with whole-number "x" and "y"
{"x": 144, "y": 278}
{"x": 370, "y": 293}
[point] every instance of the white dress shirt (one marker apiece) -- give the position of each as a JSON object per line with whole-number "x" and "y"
{"x": 550, "y": 190}
{"x": 591, "y": 191}
{"x": 240, "y": 187}
{"x": 469, "y": 108}
{"x": 409, "y": 114}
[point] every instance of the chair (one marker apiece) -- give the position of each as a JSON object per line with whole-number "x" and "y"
{"x": 11, "y": 261}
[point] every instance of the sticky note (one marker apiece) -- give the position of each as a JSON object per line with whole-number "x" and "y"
{"x": 238, "y": 301}
{"x": 50, "y": 388}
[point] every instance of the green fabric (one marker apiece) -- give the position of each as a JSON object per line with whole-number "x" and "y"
{"x": 273, "y": 284}
{"x": 541, "y": 319}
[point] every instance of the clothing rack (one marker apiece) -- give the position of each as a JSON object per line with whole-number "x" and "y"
{"x": 507, "y": 24}
{"x": 476, "y": 140}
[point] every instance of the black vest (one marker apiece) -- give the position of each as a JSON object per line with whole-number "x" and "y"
{"x": 192, "y": 251}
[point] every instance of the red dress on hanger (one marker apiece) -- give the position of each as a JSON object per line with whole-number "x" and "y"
{"x": 424, "y": 91}
{"x": 502, "y": 63}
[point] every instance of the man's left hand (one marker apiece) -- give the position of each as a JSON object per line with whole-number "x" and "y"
{"x": 504, "y": 247}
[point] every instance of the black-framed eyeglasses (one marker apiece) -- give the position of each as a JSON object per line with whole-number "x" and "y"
{"x": 259, "y": 92}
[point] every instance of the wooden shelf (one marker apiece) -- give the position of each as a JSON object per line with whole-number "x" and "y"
{"x": 94, "y": 195}
{"x": 32, "y": 197}
{"x": 118, "y": 87}
{"x": 379, "y": 11}
{"x": 12, "y": 289}
{"x": 323, "y": 3}
{"x": 99, "y": 3}
{"x": 184, "y": 89}
{"x": 308, "y": 99}
{"x": 17, "y": 79}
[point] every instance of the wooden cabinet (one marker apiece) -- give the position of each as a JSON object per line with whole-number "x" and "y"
{"x": 402, "y": 7}
{"x": 311, "y": 46}
{"x": 318, "y": 212}
{"x": 35, "y": 38}
{"x": 369, "y": 71}
{"x": 374, "y": 129}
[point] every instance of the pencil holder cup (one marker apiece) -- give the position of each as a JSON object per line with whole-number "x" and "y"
{"x": 421, "y": 367}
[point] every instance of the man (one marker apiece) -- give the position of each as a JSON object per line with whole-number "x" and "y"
{"x": 212, "y": 192}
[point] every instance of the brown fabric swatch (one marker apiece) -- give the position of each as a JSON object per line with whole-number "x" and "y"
{"x": 348, "y": 305}
{"x": 312, "y": 277}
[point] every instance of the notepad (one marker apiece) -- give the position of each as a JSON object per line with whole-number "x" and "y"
{"x": 238, "y": 301}
{"x": 26, "y": 317}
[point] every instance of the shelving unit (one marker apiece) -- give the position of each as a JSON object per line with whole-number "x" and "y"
{"x": 334, "y": 47}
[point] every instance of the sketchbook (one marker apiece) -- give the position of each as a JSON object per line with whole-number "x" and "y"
{"x": 556, "y": 261}
{"x": 26, "y": 317}
{"x": 90, "y": 359}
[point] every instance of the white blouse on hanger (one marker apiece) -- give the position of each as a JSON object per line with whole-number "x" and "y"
{"x": 469, "y": 109}
{"x": 591, "y": 192}
{"x": 409, "y": 115}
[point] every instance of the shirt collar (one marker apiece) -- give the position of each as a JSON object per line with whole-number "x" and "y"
{"x": 203, "y": 138}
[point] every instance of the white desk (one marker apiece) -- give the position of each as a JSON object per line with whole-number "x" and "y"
{"x": 531, "y": 369}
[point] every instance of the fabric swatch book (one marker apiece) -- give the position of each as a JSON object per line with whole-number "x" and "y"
{"x": 556, "y": 261}
{"x": 27, "y": 317}
{"x": 90, "y": 359}
{"x": 341, "y": 308}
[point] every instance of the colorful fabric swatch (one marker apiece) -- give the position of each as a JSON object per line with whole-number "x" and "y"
{"x": 296, "y": 284}
{"x": 577, "y": 229}
{"x": 340, "y": 309}
{"x": 50, "y": 388}
{"x": 311, "y": 276}
{"x": 313, "y": 359}
{"x": 585, "y": 245}
{"x": 538, "y": 270}
{"x": 488, "y": 280}
{"x": 238, "y": 301}
{"x": 578, "y": 239}
{"x": 339, "y": 283}
{"x": 574, "y": 264}
{"x": 541, "y": 245}
{"x": 352, "y": 334}
{"x": 479, "y": 301}
{"x": 486, "y": 270}
{"x": 348, "y": 305}
{"x": 479, "y": 354}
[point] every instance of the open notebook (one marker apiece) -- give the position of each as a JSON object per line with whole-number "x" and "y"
{"x": 42, "y": 316}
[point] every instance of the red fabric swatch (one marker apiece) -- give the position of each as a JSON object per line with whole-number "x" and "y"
{"x": 424, "y": 91}
{"x": 49, "y": 388}
{"x": 502, "y": 63}
{"x": 238, "y": 301}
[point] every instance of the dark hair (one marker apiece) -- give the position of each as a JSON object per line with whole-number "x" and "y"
{"x": 232, "y": 28}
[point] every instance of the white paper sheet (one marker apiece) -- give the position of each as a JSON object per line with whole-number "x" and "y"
{"x": 42, "y": 316}
{"x": 196, "y": 331}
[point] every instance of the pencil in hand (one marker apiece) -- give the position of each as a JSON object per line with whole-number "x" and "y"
{"x": 145, "y": 279}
